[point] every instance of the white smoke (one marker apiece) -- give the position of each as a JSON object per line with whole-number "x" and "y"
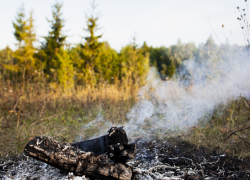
{"x": 195, "y": 91}
{"x": 198, "y": 87}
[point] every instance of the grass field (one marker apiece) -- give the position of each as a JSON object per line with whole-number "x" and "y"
{"x": 45, "y": 111}
{"x": 41, "y": 110}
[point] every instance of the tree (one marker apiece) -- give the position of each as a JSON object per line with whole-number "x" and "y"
{"x": 90, "y": 65}
{"x": 134, "y": 64}
{"x": 57, "y": 63}
{"x": 20, "y": 26}
{"x": 208, "y": 52}
{"x": 26, "y": 36}
{"x": 168, "y": 60}
{"x": 6, "y": 64}
{"x": 55, "y": 39}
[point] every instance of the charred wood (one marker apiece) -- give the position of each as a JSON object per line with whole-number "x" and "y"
{"x": 100, "y": 145}
{"x": 99, "y": 158}
{"x": 68, "y": 158}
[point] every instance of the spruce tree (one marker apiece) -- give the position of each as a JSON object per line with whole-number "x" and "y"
{"x": 26, "y": 36}
{"x": 20, "y": 25}
{"x": 134, "y": 64}
{"x": 55, "y": 39}
{"x": 90, "y": 50}
{"x": 29, "y": 49}
{"x": 56, "y": 60}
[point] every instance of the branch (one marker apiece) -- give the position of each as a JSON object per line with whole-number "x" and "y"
{"x": 232, "y": 134}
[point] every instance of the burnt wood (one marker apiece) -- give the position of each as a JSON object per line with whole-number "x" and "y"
{"x": 99, "y": 158}
{"x": 101, "y": 144}
{"x": 68, "y": 158}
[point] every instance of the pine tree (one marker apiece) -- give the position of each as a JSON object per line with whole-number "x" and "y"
{"x": 26, "y": 36}
{"x": 134, "y": 64}
{"x": 20, "y": 26}
{"x": 56, "y": 60}
{"x": 55, "y": 40}
{"x": 29, "y": 49}
{"x": 90, "y": 65}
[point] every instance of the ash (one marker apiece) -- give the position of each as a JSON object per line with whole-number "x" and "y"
{"x": 153, "y": 160}
{"x": 24, "y": 167}
{"x": 160, "y": 160}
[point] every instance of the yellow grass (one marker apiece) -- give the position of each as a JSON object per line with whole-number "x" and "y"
{"x": 39, "y": 109}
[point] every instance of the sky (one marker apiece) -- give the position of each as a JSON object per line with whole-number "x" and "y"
{"x": 158, "y": 22}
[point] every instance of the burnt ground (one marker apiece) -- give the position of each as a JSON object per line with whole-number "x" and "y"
{"x": 160, "y": 160}
{"x": 153, "y": 160}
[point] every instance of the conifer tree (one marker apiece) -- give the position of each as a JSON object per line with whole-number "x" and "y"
{"x": 55, "y": 40}
{"x": 90, "y": 66}
{"x": 6, "y": 63}
{"x": 57, "y": 63}
{"x": 20, "y": 26}
{"x": 26, "y": 36}
{"x": 134, "y": 64}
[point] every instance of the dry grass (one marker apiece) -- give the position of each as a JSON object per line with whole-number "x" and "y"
{"x": 43, "y": 110}
{"x": 216, "y": 133}
{"x": 39, "y": 109}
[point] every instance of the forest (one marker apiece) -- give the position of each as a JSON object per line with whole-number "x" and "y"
{"x": 93, "y": 62}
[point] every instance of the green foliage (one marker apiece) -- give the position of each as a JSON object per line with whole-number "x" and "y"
{"x": 107, "y": 64}
{"x": 64, "y": 74}
{"x": 169, "y": 59}
{"x": 93, "y": 61}
{"x": 90, "y": 65}
{"x": 20, "y": 26}
{"x": 134, "y": 64}
{"x": 7, "y": 68}
{"x": 56, "y": 62}
{"x": 55, "y": 40}
{"x": 24, "y": 60}
{"x": 24, "y": 55}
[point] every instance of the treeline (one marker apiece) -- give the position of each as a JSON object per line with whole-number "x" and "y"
{"x": 91, "y": 62}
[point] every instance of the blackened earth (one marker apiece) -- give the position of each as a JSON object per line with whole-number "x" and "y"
{"x": 153, "y": 160}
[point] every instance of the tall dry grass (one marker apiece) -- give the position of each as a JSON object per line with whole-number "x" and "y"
{"x": 34, "y": 109}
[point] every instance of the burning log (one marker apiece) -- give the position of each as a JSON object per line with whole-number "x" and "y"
{"x": 101, "y": 158}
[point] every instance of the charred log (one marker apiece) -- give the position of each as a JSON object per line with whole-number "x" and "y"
{"x": 68, "y": 158}
{"x": 100, "y": 158}
{"x": 102, "y": 144}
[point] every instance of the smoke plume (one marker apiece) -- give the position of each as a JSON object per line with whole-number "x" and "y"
{"x": 198, "y": 87}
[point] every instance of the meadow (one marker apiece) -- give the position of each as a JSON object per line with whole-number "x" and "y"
{"x": 41, "y": 110}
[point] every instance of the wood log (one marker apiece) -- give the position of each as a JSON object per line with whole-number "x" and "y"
{"x": 100, "y": 158}
{"x": 66, "y": 157}
{"x": 102, "y": 144}
{"x": 115, "y": 145}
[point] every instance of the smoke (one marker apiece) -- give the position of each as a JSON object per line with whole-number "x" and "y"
{"x": 100, "y": 123}
{"x": 198, "y": 87}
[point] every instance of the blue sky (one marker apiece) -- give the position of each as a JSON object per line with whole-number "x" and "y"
{"x": 158, "y": 22}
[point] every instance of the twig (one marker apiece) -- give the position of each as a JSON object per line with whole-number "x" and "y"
{"x": 232, "y": 134}
{"x": 247, "y": 103}
{"x": 243, "y": 139}
{"x": 16, "y": 104}
{"x": 19, "y": 112}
